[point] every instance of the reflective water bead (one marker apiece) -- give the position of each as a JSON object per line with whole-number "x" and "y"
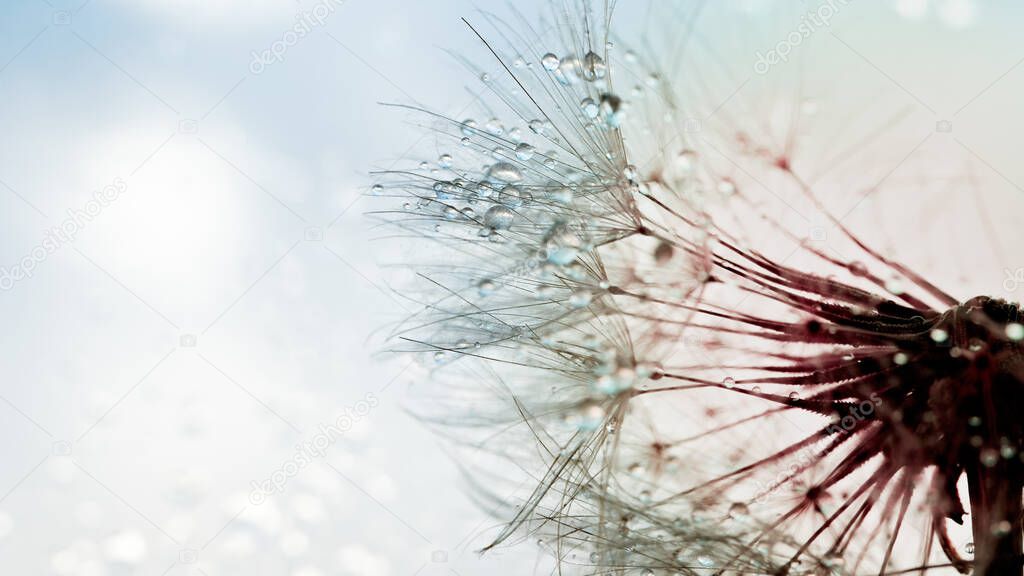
{"x": 561, "y": 195}
{"x": 738, "y": 509}
{"x": 499, "y": 217}
{"x": 524, "y": 151}
{"x": 580, "y": 298}
{"x": 562, "y": 245}
{"x": 504, "y": 172}
{"x": 510, "y": 196}
{"x": 444, "y": 160}
{"x": 590, "y": 416}
{"x": 485, "y": 287}
{"x": 550, "y": 62}
{"x": 494, "y": 127}
{"x": 442, "y": 191}
{"x": 589, "y": 108}
{"x": 594, "y": 67}
{"x": 1015, "y": 331}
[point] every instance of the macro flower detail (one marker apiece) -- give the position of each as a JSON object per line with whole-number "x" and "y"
{"x": 620, "y": 314}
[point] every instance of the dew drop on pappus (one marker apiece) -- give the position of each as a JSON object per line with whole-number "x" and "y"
{"x": 550, "y": 62}
{"x": 499, "y": 217}
{"x": 504, "y": 172}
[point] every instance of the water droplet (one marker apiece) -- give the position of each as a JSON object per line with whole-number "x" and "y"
{"x": 510, "y": 196}
{"x": 524, "y": 151}
{"x": 537, "y": 126}
{"x": 1007, "y": 451}
{"x": 485, "y": 77}
{"x": 738, "y": 509}
{"x": 989, "y": 457}
{"x": 705, "y": 561}
{"x": 580, "y": 298}
{"x": 858, "y": 268}
{"x": 969, "y": 548}
{"x": 499, "y": 217}
{"x": 686, "y": 161}
{"x": 900, "y": 358}
{"x": 450, "y": 213}
{"x": 663, "y": 253}
{"x": 561, "y": 195}
{"x": 562, "y": 245}
{"x": 939, "y": 335}
{"x": 589, "y": 416}
{"x": 469, "y": 127}
{"x": 377, "y": 189}
{"x": 444, "y": 160}
{"x": 439, "y": 357}
{"x": 594, "y": 67}
{"x": 631, "y": 173}
{"x": 550, "y": 62}
{"x": 1015, "y": 331}
{"x": 504, "y": 172}
{"x": 589, "y": 108}
{"x": 1002, "y": 528}
{"x": 485, "y": 287}
{"x": 494, "y": 127}
{"x": 729, "y": 382}
{"x": 442, "y": 190}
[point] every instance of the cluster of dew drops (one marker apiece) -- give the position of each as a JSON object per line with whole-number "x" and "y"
{"x": 503, "y": 183}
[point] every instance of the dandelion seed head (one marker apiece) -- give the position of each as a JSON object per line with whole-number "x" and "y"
{"x": 683, "y": 395}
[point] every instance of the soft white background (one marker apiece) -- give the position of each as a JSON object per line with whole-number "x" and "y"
{"x": 121, "y": 449}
